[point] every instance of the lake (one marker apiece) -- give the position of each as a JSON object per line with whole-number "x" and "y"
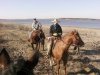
{"x": 84, "y": 23}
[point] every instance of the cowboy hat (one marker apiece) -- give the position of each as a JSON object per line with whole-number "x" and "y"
{"x": 55, "y": 21}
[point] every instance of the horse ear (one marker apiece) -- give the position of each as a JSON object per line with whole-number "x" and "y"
{"x": 33, "y": 61}
{"x": 75, "y": 31}
{"x": 72, "y": 32}
{"x": 4, "y": 58}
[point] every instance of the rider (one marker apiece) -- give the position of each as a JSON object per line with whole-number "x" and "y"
{"x": 55, "y": 29}
{"x": 55, "y": 33}
{"x": 36, "y": 25}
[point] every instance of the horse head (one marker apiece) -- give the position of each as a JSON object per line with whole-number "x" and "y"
{"x": 23, "y": 67}
{"x": 27, "y": 68}
{"x": 77, "y": 41}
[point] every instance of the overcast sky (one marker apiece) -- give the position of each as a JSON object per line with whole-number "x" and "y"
{"x": 19, "y": 9}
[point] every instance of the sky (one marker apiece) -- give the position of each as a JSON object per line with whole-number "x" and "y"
{"x": 24, "y": 9}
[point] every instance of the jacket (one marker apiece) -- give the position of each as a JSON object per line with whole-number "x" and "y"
{"x": 36, "y": 25}
{"x": 55, "y": 29}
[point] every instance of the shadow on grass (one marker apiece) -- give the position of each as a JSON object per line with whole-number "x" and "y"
{"x": 92, "y": 71}
{"x": 87, "y": 52}
{"x": 91, "y": 52}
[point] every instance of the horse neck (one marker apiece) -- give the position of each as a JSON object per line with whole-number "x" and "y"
{"x": 33, "y": 61}
{"x": 68, "y": 41}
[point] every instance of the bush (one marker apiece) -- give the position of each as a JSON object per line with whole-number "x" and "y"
{"x": 23, "y": 27}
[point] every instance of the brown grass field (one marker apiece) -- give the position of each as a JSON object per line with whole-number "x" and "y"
{"x": 14, "y": 38}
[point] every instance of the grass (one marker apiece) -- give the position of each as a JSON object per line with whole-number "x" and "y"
{"x": 14, "y": 38}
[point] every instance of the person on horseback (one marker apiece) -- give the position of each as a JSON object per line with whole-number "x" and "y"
{"x": 37, "y": 36}
{"x": 55, "y": 34}
{"x": 55, "y": 29}
{"x": 36, "y": 25}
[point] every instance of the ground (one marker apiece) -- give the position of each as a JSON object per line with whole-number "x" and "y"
{"x": 14, "y": 39}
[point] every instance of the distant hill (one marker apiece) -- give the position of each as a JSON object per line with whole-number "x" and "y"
{"x": 79, "y": 18}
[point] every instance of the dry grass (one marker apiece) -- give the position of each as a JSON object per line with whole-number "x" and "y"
{"x": 14, "y": 38}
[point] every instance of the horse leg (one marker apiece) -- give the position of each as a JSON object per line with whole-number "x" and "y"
{"x": 37, "y": 46}
{"x": 32, "y": 46}
{"x": 78, "y": 50}
{"x": 51, "y": 64}
{"x": 58, "y": 66}
{"x": 65, "y": 68}
{"x": 65, "y": 59}
{"x": 43, "y": 44}
{"x": 49, "y": 49}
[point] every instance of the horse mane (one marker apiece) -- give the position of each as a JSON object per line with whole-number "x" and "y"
{"x": 67, "y": 34}
{"x": 71, "y": 33}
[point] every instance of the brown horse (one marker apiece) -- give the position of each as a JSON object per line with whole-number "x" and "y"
{"x": 38, "y": 38}
{"x": 20, "y": 67}
{"x": 60, "y": 50}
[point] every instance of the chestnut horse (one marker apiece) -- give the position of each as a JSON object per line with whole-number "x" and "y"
{"x": 60, "y": 50}
{"x": 20, "y": 67}
{"x": 37, "y": 38}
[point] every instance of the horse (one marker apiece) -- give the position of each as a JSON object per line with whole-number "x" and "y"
{"x": 60, "y": 50}
{"x": 21, "y": 66}
{"x": 37, "y": 37}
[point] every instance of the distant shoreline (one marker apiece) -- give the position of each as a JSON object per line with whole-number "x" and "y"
{"x": 72, "y": 22}
{"x": 47, "y": 26}
{"x": 13, "y": 23}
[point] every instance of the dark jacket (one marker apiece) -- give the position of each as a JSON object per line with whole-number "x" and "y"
{"x": 55, "y": 29}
